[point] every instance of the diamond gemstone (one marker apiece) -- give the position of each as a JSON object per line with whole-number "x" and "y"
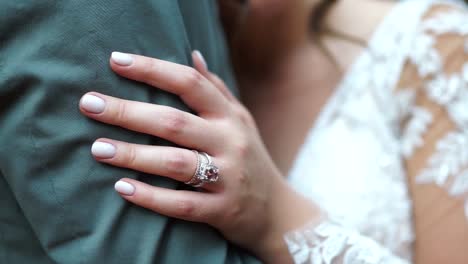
{"x": 211, "y": 173}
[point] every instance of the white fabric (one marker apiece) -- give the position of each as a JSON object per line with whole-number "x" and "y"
{"x": 351, "y": 163}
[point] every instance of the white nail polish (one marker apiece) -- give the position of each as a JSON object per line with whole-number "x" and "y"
{"x": 122, "y": 59}
{"x": 202, "y": 59}
{"x": 103, "y": 150}
{"x": 92, "y": 104}
{"x": 124, "y": 188}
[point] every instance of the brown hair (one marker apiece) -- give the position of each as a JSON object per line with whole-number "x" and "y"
{"x": 318, "y": 14}
{"x": 236, "y": 17}
{"x": 234, "y": 12}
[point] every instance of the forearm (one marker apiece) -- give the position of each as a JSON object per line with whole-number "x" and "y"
{"x": 300, "y": 232}
{"x": 289, "y": 211}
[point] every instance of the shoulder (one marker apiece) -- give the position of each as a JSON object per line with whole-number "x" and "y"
{"x": 436, "y": 65}
{"x": 434, "y": 78}
{"x": 438, "y": 39}
{"x": 434, "y": 131}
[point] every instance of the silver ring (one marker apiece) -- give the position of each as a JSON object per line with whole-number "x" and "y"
{"x": 206, "y": 171}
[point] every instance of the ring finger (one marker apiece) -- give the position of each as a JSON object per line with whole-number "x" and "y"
{"x": 176, "y": 163}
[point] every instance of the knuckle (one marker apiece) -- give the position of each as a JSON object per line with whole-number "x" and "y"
{"x": 175, "y": 122}
{"x": 241, "y": 148}
{"x": 184, "y": 208}
{"x": 242, "y": 177}
{"x": 244, "y": 115}
{"x": 120, "y": 115}
{"x": 149, "y": 69}
{"x": 178, "y": 163}
{"x": 234, "y": 212}
{"x": 130, "y": 157}
{"x": 193, "y": 78}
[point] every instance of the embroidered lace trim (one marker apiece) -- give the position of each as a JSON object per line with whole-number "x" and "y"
{"x": 448, "y": 166}
{"x": 330, "y": 242}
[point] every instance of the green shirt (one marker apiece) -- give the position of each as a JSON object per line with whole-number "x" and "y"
{"x": 57, "y": 204}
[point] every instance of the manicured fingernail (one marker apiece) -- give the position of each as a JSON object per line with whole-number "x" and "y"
{"x": 92, "y": 104}
{"x": 122, "y": 59}
{"x": 124, "y": 188}
{"x": 202, "y": 59}
{"x": 103, "y": 150}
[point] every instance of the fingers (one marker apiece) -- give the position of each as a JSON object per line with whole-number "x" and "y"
{"x": 186, "y": 205}
{"x": 165, "y": 122}
{"x": 222, "y": 87}
{"x": 175, "y": 163}
{"x": 194, "y": 89}
{"x": 178, "y": 164}
{"x": 201, "y": 65}
{"x": 199, "y": 62}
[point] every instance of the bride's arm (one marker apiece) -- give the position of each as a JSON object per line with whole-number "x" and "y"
{"x": 251, "y": 205}
{"x": 435, "y": 144}
{"x": 435, "y": 135}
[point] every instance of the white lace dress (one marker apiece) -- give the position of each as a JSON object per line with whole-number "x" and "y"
{"x": 353, "y": 161}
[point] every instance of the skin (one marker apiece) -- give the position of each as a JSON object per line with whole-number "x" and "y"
{"x": 251, "y": 184}
{"x": 285, "y": 84}
{"x": 252, "y": 205}
{"x": 298, "y": 93}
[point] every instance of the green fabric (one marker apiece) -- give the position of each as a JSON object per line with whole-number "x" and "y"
{"x": 56, "y": 203}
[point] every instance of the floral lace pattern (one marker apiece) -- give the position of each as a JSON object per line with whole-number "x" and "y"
{"x": 376, "y": 226}
{"x": 448, "y": 167}
{"x": 449, "y": 161}
{"x": 329, "y": 240}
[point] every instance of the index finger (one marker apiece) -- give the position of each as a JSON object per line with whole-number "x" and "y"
{"x": 194, "y": 89}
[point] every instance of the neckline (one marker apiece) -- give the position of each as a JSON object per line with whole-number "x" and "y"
{"x": 386, "y": 24}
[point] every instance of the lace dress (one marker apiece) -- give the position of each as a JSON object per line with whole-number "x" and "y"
{"x": 354, "y": 162}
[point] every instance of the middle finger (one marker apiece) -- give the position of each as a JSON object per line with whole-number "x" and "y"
{"x": 177, "y": 126}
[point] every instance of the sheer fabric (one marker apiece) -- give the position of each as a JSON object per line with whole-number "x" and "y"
{"x": 411, "y": 82}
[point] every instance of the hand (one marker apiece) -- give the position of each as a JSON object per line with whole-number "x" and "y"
{"x": 244, "y": 204}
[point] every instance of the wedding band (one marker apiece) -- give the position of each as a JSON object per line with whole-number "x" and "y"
{"x": 206, "y": 171}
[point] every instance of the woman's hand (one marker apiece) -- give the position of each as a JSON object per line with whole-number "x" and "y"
{"x": 250, "y": 202}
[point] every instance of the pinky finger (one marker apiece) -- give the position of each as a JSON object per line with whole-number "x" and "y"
{"x": 202, "y": 67}
{"x": 186, "y": 205}
{"x": 222, "y": 87}
{"x": 199, "y": 62}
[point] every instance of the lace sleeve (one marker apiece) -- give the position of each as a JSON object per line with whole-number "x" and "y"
{"x": 329, "y": 242}
{"x": 435, "y": 135}
{"x": 434, "y": 143}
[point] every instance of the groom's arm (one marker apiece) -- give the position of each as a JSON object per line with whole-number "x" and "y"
{"x": 51, "y": 53}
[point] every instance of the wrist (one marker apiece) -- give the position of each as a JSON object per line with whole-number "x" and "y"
{"x": 288, "y": 211}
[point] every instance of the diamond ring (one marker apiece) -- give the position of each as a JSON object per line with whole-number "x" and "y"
{"x": 206, "y": 171}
